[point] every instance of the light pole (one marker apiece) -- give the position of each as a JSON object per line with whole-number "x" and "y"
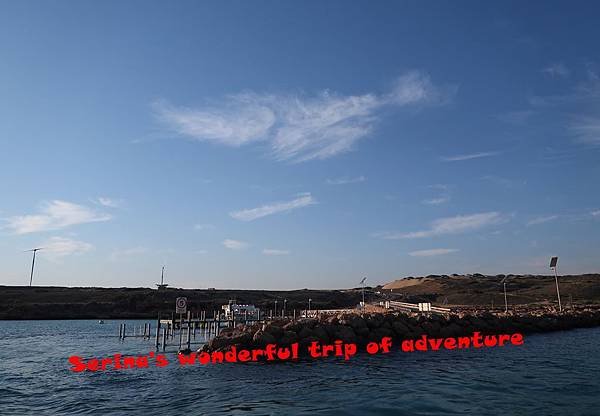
{"x": 309, "y": 301}
{"x": 35, "y": 250}
{"x": 362, "y": 282}
{"x": 553, "y": 265}
{"x": 275, "y": 308}
{"x": 505, "y": 299}
{"x": 284, "y": 304}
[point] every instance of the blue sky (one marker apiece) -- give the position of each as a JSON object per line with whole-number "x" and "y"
{"x": 297, "y": 144}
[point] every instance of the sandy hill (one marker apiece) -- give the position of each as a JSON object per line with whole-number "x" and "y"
{"x": 478, "y": 289}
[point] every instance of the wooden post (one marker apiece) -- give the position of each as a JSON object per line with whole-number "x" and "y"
{"x": 164, "y": 342}
{"x": 172, "y": 325}
{"x": 123, "y": 331}
{"x": 232, "y": 318}
{"x": 189, "y": 329}
{"x": 157, "y": 330}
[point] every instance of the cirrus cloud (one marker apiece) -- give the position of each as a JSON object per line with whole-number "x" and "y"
{"x": 298, "y": 128}
{"x": 234, "y": 244}
{"x": 57, "y": 247}
{"x": 449, "y": 225}
{"x": 432, "y": 252}
{"x": 275, "y": 252}
{"x": 274, "y": 208}
{"x": 54, "y": 215}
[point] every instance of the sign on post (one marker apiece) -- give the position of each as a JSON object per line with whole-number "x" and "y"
{"x": 424, "y": 307}
{"x": 553, "y": 262}
{"x": 181, "y": 305}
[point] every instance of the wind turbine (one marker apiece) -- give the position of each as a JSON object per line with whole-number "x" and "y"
{"x": 162, "y": 284}
{"x": 35, "y": 250}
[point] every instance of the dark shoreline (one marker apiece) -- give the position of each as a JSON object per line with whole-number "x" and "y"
{"x": 463, "y": 292}
{"x": 58, "y": 303}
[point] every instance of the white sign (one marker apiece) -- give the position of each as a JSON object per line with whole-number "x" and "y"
{"x": 425, "y": 307}
{"x": 181, "y": 305}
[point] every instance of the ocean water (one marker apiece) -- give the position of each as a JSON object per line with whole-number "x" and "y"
{"x": 551, "y": 374}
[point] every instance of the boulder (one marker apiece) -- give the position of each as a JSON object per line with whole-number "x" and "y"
{"x": 273, "y": 329}
{"x": 262, "y": 338}
{"x": 288, "y": 338}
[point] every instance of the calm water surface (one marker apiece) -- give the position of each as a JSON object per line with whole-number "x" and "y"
{"x": 552, "y": 374}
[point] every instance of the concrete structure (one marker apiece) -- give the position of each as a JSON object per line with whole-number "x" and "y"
{"x": 239, "y": 310}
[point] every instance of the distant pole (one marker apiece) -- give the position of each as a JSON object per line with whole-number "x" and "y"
{"x": 275, "y": 308}
{"x": 162, "y": 275}
{"x": 309, "y": 300}
{"x": 362, "y": 282}
{"x": 35, "y": 250}
{"x": 554, "y": 265}
{"x": 505, "y": 299}
{"x": 284, "y": 304}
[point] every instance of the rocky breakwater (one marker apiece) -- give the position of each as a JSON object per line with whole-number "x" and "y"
{"x": 361, "y": 329}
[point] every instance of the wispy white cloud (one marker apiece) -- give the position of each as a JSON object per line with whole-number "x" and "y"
{"x": 586, "y": 130}
{"x": 586, "y": 91}
{"x": 542, "y": 220}
{"x": 469, "y": 156}
{"x": 346, "y": 180}
{"x": 127, "y": 252}
{"x": 442, "y": 198}
{"x": 239, "y": 120}
{"x": 415, "y": 87}
{"x": 432, "y": 252}
{"x": 299, "y": 128}
{"x": 202, "y": 227}
{"x": 275, "y": 252}
{"x": 54, "y": 215}
{"x": 57, "y": 247}
{"x": 557, "y": 70}
{"x": 450, "y": 225}
{"x": 505, "y": 182}
{"x": 436, "y": 201}
{"x": 234, "y": 244}
{"x": 108, "y": 202}
{"x": 274, "y": 208}
{"x": 516, "y": 117}
{"x": 595, "y": 213}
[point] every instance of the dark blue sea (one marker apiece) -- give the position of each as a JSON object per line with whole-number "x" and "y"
{"x": 551, "y": 374}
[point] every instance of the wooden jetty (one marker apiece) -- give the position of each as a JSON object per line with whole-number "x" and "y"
{"x": 185, "y": 328}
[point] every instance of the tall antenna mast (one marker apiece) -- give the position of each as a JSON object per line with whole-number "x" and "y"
{"x": 35, "y": 250}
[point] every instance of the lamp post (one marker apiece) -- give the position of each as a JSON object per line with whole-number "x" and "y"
{"x": 505, "y": 299}
{"x": 275, "y": 308}
{"x": 553, "y": 265}
{"x": 283, "y": 311}
{"x": 362, "y": 282}
{"x": 309, "y": 301}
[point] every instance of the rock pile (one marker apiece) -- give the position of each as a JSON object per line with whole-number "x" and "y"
{"x": 361, "y": 329}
